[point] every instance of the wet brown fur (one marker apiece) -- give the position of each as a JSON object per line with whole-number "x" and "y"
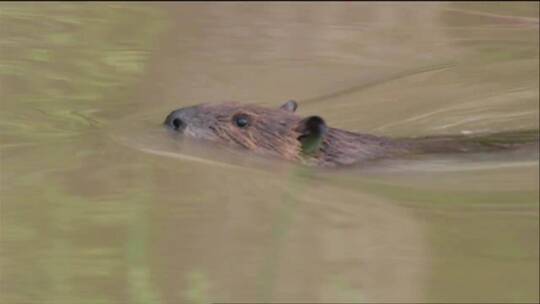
{"x": 270, "y": 130}
{"x": 276, "y": 132}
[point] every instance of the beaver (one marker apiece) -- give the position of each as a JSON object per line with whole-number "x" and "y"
{"x": 282, "y": 133}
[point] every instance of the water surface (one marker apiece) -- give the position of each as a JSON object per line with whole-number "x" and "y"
{"x": 100, "y": 205}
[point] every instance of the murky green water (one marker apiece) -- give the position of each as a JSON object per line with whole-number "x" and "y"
{"x": 98, "y": 205}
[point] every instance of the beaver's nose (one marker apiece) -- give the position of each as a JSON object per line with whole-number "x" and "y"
{"x": 175, "y": 122}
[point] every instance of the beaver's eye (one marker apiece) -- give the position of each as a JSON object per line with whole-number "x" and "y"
{"x": 241, "y": 120}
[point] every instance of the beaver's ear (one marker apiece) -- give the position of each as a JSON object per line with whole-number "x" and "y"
{"x": 289, "y": 106}
{"x": 312, "y": 131}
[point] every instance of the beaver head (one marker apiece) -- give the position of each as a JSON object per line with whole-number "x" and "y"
{"x": 277, "y": 132}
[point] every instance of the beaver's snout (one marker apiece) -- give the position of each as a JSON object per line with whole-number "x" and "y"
{"x": 178, "y": 119}
{"x": 175, "y": 123}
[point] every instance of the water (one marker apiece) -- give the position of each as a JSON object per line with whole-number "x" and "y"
{"x": 100, "y": 205}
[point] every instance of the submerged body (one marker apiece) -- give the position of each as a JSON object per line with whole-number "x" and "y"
{"x": 282, "y": 133}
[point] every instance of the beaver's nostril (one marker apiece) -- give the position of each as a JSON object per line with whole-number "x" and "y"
{"x": 177, "y": 124}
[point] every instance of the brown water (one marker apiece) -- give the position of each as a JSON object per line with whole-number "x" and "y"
{"x": 99, "y": 205}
